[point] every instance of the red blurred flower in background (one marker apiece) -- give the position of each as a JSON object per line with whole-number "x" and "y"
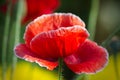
{"x": 35, "y": 8}
{"x": 3, "y": 7}
{"x": 61, "y": 35}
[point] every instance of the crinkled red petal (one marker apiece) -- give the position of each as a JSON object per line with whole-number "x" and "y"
{"x": 89, "y": 58}
{"x": 50, "y": 22}
{"x": 58, "y": 43}
{"x": 25, "y": 53}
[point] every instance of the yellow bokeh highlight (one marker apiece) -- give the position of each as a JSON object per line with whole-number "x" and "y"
{"x": 28, "y": 71}
{"x": 31, "y": 71}
{"x": 109, "y": 72}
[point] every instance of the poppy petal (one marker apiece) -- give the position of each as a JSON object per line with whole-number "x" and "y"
{"x": 89, "y": 58}
{"x": 25, "y": 53}
{"x": 50, "y": 22}
{"x": 59, "y": 43}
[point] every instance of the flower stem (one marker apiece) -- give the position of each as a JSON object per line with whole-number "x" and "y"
{"x": 107, "y": 41}
{"x": 60, "y": 69}
{"x": 17, "y": 32}
{"x": 82, "y": 76}
{"x": 5, "y": 42}
{"x": 93, "y": 18}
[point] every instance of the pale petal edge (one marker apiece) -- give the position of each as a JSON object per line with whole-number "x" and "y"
{"x": 24, "y": 52}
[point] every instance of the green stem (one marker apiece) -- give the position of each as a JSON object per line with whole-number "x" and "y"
{"x": 82, "y": 76}
{"x": 17, "y": 31}
{"x": 107, "y": 41}
{"x": 93, "y": 18}
{"x": 5, "y": 42}
{"x": 60, "y": 69}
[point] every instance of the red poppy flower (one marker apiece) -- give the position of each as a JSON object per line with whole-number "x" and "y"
{"x": 61, "y": 35}
{"x": 36, "y": 8}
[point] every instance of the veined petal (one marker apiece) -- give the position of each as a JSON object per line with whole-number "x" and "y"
{"x": 89, "y": 58}
{"x": 50, "y": 22}
{"x": 25, "y": 53}
{"x": 59, "y": 43}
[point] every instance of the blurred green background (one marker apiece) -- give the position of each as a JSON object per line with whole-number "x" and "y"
{"x": 102, "y": 19}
